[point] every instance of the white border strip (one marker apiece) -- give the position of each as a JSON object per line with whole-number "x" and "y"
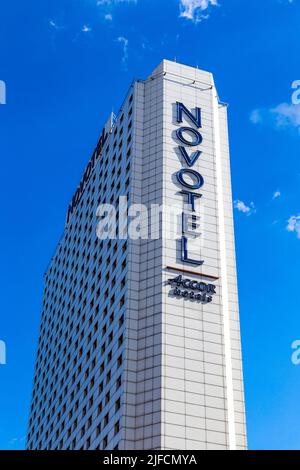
{"x": 224, "y": 274}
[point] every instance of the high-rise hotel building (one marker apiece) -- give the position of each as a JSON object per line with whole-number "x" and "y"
{"x": 139, "y": 344}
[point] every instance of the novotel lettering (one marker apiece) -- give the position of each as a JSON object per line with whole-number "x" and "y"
{"x": 189, "y": 178}
{"x": 87, "y": 174}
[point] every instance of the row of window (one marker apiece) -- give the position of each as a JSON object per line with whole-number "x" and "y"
{"x": 71, "y": 320}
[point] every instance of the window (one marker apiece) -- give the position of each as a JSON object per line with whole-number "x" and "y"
{"x": 118, "y": 404}
{"x": 119, "y": 382}
{"x": 117, "y": 427}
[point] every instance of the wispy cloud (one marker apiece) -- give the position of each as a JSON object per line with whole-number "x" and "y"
{"x": 293, "y": 225}
{"x": 56, "y": 29}
{"x": 146, "y": 45}
{"x": 86, "y": 29}
{"x": 13, "y": 441}
{"x": 124, "y": 41}
{"x": 244, "y": 208}
{"x": 195, "y": 10}
{"x": 276, "y": 194}
{"x": 53, "y": 24}
{"x": 113, "y": 2}
{"x": 16, "y": 440}
{"x": 256, "y": 116}
{"x": 283, "y": 116}
{"x": 109, "y": 4}
{"x": 2, "y": 92}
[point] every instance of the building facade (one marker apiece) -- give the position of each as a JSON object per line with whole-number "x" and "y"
{"x": 139, "y": 344}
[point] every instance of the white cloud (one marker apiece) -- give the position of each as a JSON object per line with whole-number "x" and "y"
{"x": 13, "y": 440}
{"x": 283, "y": 116}
{"x": 276, "y": 194}
{"x": 113, "y": 2}
{"x": 2, "y": 92}
{"x": 109, "y": 4}
{"x": 86, "y": 29}
{"x": 242, "y": 207}
{"x": 145, "y": 44}
{"x": 194, "y": 9}
{"x": 53, "y": 24}
{"x": 255, "y": 116}
{"x": 124, "y": 41}
{"x": 287, "y": 115}
{"x": 16, "y": 440}
{"x": 294, "y": 225}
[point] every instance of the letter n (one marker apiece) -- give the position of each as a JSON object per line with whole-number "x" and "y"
{"x": 181, "y": 109}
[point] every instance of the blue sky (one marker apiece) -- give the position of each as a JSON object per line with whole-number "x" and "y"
{"x": 66, "y": 65}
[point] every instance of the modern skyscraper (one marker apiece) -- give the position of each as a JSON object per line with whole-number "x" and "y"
{"x": 139, "y": 344}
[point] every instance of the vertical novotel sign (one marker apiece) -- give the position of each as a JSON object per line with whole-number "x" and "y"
{"x": 189, "y": 179}
{"x": 87, "y": 174}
